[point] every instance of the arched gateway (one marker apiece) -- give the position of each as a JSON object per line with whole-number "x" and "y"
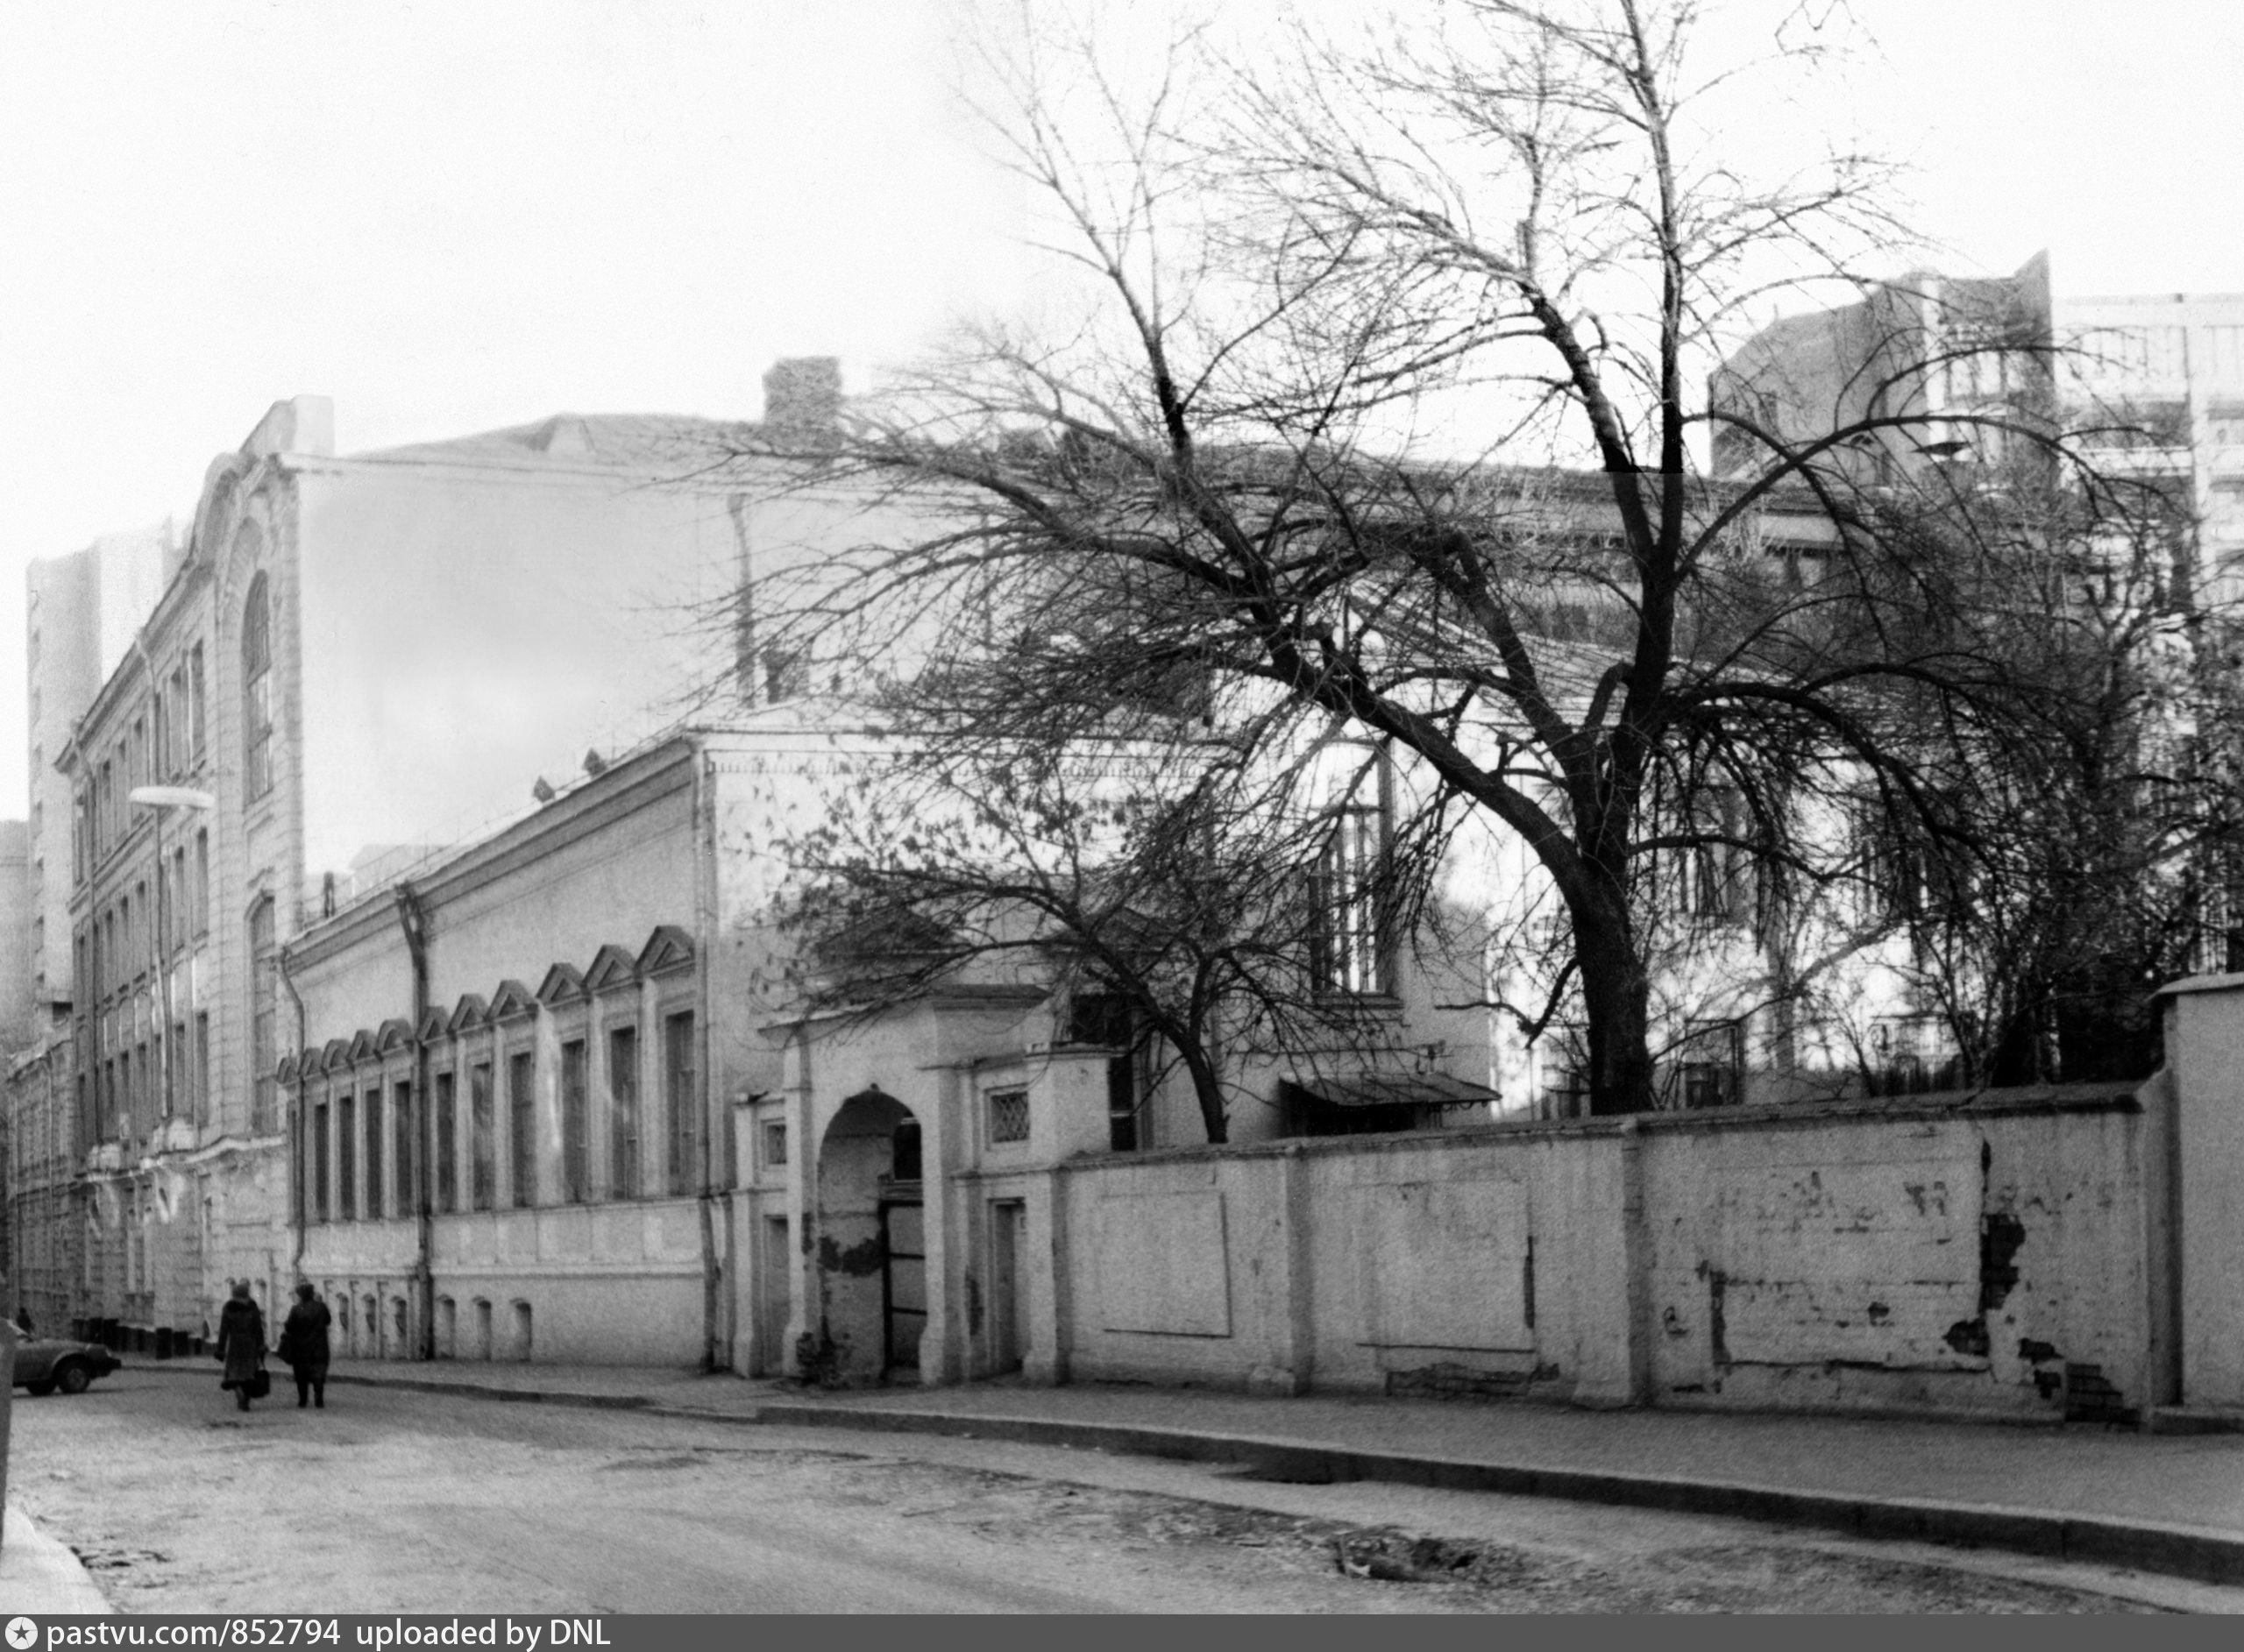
{"x": 871, "y": 1245}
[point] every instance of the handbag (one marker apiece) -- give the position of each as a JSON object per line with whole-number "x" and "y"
{"x": 260, "y": 1385}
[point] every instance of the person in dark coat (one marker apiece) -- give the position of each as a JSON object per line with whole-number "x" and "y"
{"x": 303, "y": 1344}
{"x": 241, "y": 1342}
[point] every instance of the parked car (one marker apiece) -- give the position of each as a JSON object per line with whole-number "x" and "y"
{"x": 44, "y": 1364}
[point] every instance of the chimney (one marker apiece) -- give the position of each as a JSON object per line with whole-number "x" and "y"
{"x": 802, "y": 402}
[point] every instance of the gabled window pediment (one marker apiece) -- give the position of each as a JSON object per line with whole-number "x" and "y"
{"x": 668, "y": 948}
{"x": 433, "y": 1027}
{"x": 563, "y": 983}
{"x": 612, "y": 968}
{"x": 394, "y": 1035}
{"x": 513, "y": 1001}
{"x": 336, "y": 1057}
{"x": 364, "y": 1048}
{"x": 470, "y": 1014}
{"x": 288, "y": 1071}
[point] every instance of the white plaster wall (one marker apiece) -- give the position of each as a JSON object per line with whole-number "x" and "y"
{"x": 1988, "y": 1259}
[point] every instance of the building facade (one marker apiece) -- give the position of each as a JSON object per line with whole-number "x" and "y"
{"x": 356, "y": 658}
{"x": 2150, "y": 386}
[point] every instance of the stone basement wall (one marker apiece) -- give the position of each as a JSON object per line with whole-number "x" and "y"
{"x": 1990, "y": 1255}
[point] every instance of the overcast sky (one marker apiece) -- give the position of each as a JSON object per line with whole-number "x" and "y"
{"x": 454, "y": 216}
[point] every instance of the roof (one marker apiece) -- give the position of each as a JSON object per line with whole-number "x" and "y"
{"x": 672, "y": 443}
{"x": 1397, "y": 1089}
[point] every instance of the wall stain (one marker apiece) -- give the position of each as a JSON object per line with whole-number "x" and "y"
{"x": 857, "y": 1262}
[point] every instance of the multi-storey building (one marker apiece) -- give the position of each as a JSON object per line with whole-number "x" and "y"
{"x": 2150, "y": 385}
{"x": 83, "y": 612}
{"x": 357, "y": 657}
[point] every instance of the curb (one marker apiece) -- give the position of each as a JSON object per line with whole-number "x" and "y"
{"x": 473, "y": 1390}
{"x": 2182, "y": 1551}
{"x": 43, "y": 1574}
{"x": 483, "y": 1391}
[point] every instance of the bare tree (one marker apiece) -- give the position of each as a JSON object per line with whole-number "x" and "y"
{"x": 1234, "y": 470}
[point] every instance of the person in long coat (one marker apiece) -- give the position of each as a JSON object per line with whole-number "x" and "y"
{"x": 241, "y": 1342}
{"x": 303, "y": 1344}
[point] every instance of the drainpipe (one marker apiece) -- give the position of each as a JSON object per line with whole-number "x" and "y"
{"x": 414, "y": 921}
{"x": 295, "y": 1124}
{"x": 715, "y": 1355}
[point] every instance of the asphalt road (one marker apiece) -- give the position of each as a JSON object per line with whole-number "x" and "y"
{"x": 395, "y": 1501}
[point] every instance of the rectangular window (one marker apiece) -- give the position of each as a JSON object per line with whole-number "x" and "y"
{"x": 447, "y": 1144}
{"x": 1008, "y": 1115}
{"x": 1348, "y": 954}
{"x": 371, "y": 1103}
{"x": 203, "y": 1065}
{"x": 175, "y": 1071}
{"x": 623, "y": 1112}
{"x": 1711, "y": 880}
{"x": 681, "y": 1106}
{"x": 319, "y": 1163}
{"x": 194, "y": 700}
{"x": 522, "y": 1125}
{"x": 576, "y": 1125}
{"x": 775, "y": 1143}
{"x": 483, "y": 1163}
{"x": 201, "y": 898}
{"x": 1705, "y": 1068}
{"x": 346, "y": 1157}
{"x": 402, "y": 1125}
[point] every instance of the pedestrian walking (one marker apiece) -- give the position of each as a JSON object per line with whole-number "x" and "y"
{"x": 303, "y": 1344}
{"x": 241, "y": 1345}
{"x": 23, "y": 1321}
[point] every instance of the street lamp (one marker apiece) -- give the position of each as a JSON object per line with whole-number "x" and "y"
{"x": 162, "y": 799}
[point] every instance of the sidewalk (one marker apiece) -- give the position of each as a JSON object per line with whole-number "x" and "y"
{"x": 2166, "y": 1503}
{"x": 40, "y": 1576}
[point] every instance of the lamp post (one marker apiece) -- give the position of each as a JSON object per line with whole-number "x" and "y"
{"x": 162, "y": 799}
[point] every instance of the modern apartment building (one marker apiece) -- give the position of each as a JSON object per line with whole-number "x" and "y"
{"x": 2152, "y": 386}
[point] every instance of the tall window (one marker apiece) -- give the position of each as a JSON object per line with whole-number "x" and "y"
{"x": 401, "y": 1121}
{"x": 257, "y": 691}
{"x": 522, "y": 1125}
{"x": 346, "y": 1155}
{"x": 447, "y": 1144}
{"x": 623, "y": 1112}
{"x": 682, "y": 1112}
{"x": 1712, "y": 880}
{"x": 261, "y": 1048}
{"x": 201, "y": 1066}
{"x": 319, "y": 1163}
{"x": 195, "y": 699}
{"x": 199, "y": 900}
{"x": 483, "y": 1167}
{"x": 1348, "y": 954}
{"x": 372, "y": 1104}
{"x": 576, "y": 1133}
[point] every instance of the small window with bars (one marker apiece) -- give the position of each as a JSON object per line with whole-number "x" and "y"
{"x": 775, "y": 1143}
{"x": 1008, "y": 1115}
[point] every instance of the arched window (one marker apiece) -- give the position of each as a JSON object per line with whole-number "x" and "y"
{"x": 257, "y": 691}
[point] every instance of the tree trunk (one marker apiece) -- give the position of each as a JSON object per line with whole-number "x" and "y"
{"x": 1616, "y": 994}
{"x": 1208, "y": 1091}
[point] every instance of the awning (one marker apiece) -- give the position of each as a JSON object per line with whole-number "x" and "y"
{"x": 1397, "y": 1089}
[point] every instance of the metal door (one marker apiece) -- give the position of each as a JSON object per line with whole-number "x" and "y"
{"x": 1009, "y": 1324}
{"x": 903, "y": 1283}
{"x": 773, "y": 1300}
